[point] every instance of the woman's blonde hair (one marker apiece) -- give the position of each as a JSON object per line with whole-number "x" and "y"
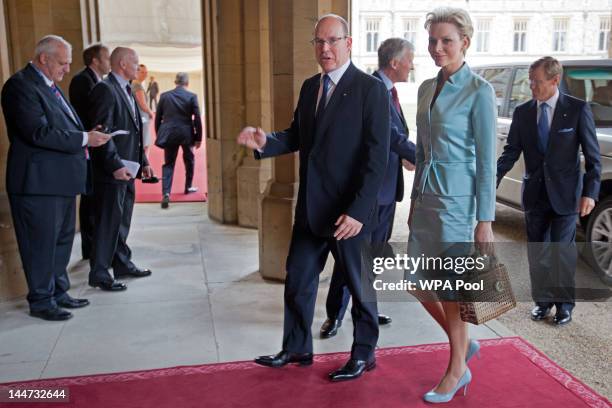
{"x": 456, "y": 16}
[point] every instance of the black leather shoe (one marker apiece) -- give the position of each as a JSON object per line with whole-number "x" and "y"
{"x": 539, "y": 313}
{"x": 132, "y": 273}
{"x": 54, "y": 315}
{"x": 165, "y": 201}
{"x": 330, "y": 328}
{"x": 284, "y": 358}
{"x": 109, "y": 286}
{"x": 351, "y": 370}
{"x": 384, "y": 319}
{"x": 72, "y": 303}
{"x": 562, "y": 317}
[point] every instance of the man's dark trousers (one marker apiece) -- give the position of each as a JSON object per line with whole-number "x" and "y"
{"x": 307, "y": 255}
{"x": 338, "y": 295}
{"x": 45, "y": 227}
{"x": 170, "y": 153}
{"x": 115, "y": 203}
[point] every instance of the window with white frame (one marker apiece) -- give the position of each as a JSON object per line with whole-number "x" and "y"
{"x": 372, "y": 29}
{"x": 604, "y": 33}
{"x": 483, "y": 34}
{"x": 520, "y": 36}
{"x": 410, "y": 29}
{"x": 560, "y": 34}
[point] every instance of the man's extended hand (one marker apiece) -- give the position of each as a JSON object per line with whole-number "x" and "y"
{"x": 122, "y": 174}
{"x": 407, "y": 165}
{"x": 253, "y": 138}
{"x": 95, "y": 138}
{"x": 586, "y": 206}
{"x": 147, "y": 172}
{"x": 347, "y": 227}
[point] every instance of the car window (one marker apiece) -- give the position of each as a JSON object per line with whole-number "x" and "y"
{"x": 594, "y": 85}
{"x": 498, "y": 78}
{"x": 520, "y": 89}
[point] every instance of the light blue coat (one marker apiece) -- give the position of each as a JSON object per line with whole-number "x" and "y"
{"x": 455, "y": 149}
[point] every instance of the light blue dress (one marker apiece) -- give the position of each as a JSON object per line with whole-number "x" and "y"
{"x": 454, "y": 183}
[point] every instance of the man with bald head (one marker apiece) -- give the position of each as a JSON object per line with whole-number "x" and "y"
{"x": 341, "y": 130}
{"x": 46, "y": 169}
{"x": 113, "y": 107}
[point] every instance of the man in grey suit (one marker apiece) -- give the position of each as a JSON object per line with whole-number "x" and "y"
{"x": 178, "y": 124}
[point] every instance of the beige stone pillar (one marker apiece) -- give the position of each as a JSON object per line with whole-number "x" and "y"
{"x": 22, "y": 23}
{"x": 292, "y": 27}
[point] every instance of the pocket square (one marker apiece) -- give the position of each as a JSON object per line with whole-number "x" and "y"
{"x": 566, "y": 130}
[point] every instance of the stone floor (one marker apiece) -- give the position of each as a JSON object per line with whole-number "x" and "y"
{"x": 204, "y": 303}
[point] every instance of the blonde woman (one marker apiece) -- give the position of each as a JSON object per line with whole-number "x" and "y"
{"x": 453, "y": 196}
{"x": 147, "y": 114}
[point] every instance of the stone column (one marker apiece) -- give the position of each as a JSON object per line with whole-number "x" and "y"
{"x": 24, "y": 23}
{"x": 292, "y": 27}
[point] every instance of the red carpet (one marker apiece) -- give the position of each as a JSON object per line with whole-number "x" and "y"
{"x": 151, "y": 193}
{"x": 511, "y": 373}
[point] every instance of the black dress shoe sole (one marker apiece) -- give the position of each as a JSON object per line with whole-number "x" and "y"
{"x": 106, "y": 288}
{"x": 131, "y": 275}
{"x": 328, "y": 335}
{"x": 51, "y": 318}
{"x": 302, "y": 363}
{"x": 73, "y": 305}
{"x": 562, "y": 322}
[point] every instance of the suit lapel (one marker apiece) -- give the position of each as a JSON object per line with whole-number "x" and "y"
{"x": 556, "y": 123}
{"x": 74, "y": 117}
{"x": 125, "y": 99}
{"x": 341, "y": 92}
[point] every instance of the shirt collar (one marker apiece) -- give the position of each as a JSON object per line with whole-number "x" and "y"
{"x": 552, "y": 101}
{"x": 43, "y": 76}
{"x": 388, "y": 83}
{"x": 336, "y": 74}
{"x": 122, "y": 81}
{"x": 458, "y": 77}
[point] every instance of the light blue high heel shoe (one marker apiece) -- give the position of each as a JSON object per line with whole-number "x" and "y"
{"x": 473, "y": 349}
{"x": 436, "y": 398}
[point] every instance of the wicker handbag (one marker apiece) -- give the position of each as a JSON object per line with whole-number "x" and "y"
{"x": 496, "y": 298}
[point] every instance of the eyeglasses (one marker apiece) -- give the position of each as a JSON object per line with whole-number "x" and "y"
{"x": 332, "y": 41}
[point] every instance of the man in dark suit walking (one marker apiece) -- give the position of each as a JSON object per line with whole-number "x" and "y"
{"x": 46, "y": 169}
{"x": 153, "y": 91}
{"x": 341, "y": 130}
{"x": 550, "y": 130}
{"x": 113, "y": 107}
{"x": 178, "y": 124}
{"x": 395, "y": 56}
{"x": 97, "y": 64}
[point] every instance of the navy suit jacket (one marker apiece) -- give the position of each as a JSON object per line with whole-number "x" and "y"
{"x": 343, "y": 155}
{"x": 178, "y": 113}
{"x": 46, "y": 154}
{"x": 558, "y": 170}
{"x": 110, "y": 107}
{"x": 400, "y": 148}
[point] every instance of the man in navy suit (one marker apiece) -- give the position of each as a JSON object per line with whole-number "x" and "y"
{"x": 46, "y": 169}
{"x": 395, "y": 57}
{"x": 97, "y": 64}
{"x": 550, "y": 130}
{"x": 341, "y": 130}
{"x": 112, "y": 106}
{"x": 178, "y": 124}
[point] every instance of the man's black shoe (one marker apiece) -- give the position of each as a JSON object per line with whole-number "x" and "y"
{"x": 539, "y": 313}
{"x": 131, "y": 273}
{"x": 69, "y": 302}
{"x": 109, "y": 286}
{"x": 284, "y": 358}
{"x": 330, "y": 328}
{"x": 165, "y": 201}
{"x": 351, "y": 370}
{"x": 384, "y": 319}
{"x": 562, "y": 317}
{"x": 54, "y": 315}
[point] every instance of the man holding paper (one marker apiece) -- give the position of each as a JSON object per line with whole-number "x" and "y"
{"x": 115, "y": 165}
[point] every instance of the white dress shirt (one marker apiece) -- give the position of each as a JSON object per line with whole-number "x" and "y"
{"x": 552, "y": 104}
{"x": 335, "y": 77}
